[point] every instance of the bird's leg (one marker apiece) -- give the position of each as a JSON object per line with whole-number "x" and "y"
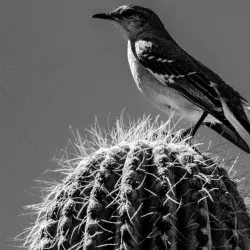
{"x": 192, "y": 131}
{"x": 199, "y": 123}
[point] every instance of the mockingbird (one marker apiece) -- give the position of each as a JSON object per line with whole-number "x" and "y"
{"x": 174, "y": 81}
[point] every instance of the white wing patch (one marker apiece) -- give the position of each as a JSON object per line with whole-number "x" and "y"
{"x": 230, "y": 116}
{"x": 141, "y": 46}
{"x": 169, "y": 79}
{"x": 164, "y": 79}
{"x": 192, "y": 73}
{"x": 163, "y": 60}
{"x": 232, "y": 119}
{"x": 158, "y": 59}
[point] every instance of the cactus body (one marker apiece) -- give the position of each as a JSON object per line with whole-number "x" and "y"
{"x": 144, "y": 196}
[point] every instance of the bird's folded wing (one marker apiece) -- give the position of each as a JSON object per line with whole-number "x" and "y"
{"x": 173, "y": 67}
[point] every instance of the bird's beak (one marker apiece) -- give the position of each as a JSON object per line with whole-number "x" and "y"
{"x": 107, "y": 16}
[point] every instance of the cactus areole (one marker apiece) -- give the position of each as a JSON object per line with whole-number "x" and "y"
{"x": 143, "y": 195}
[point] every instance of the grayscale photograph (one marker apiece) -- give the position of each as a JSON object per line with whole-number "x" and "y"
{"x": 125, "y": 125}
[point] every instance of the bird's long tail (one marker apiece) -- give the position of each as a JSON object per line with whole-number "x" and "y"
{"x": 247, "y": 111}
{"x": 229, "y": 134}
{"x": 242, "y": 130}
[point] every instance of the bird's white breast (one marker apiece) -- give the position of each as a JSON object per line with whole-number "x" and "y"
{"x": 165, "y": 98}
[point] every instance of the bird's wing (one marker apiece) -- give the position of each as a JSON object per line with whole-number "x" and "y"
{"x": 168, "y": 63}
{"x": 175, "y": 68}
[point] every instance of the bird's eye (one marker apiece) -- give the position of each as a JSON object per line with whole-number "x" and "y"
{"x": 128, "y": 13}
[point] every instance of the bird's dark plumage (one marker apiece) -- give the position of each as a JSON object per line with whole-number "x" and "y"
{"x": 229, "y": 133}
{"x": 196, "y": 82}
{"x": 170, "y": 77}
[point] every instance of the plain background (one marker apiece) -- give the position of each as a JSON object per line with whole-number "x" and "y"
{"x": 60, "y": 68}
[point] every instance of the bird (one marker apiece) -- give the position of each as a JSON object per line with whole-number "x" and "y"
{"x": 173, "y": 80}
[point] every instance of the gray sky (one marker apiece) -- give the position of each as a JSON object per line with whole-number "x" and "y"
{"x": 60, "y": 68}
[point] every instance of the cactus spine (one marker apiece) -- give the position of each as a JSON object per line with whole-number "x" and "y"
{"x": 148, "y": 194}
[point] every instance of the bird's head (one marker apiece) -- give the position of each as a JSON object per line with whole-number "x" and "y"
{"x": 133, "y": 19}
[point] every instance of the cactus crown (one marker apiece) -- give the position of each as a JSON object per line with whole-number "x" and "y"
{"x": 139, "y": 188}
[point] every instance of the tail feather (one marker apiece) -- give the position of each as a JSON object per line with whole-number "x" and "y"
{"x": 230, "y": 134}
{"x": 241, "y": 125}
{"x": 236, "y": 111}
{"x": 247, "y": 111}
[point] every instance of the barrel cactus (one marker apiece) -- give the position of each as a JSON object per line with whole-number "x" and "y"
{"x": 140, "y": 189}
